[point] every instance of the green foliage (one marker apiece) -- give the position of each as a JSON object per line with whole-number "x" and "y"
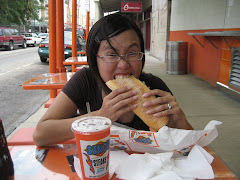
{"x": 19, "y": 11}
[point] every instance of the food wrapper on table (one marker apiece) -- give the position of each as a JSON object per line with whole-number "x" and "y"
{"x": 167, "y": 139}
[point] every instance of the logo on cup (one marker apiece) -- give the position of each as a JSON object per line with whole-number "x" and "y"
{"x": 99, "y": 150}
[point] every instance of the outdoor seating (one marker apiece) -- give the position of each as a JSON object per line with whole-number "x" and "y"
{"x": 58, "y": 161}
{"x": 74, "y": 61}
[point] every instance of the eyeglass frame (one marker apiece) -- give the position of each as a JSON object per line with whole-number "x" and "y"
{"x": 124, "y": 56}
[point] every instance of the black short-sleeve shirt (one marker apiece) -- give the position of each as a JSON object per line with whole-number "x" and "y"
{"x": 83, "y": 87}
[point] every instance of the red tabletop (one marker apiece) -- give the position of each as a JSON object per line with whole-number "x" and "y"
{"x": 56, "y": 162}
{"x": 73, "y": 61}
{"x": 48, "y": 81}
{"x": 80, "y": 60}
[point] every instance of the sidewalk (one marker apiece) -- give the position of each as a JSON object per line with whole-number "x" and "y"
{"x": 201, "y": 103}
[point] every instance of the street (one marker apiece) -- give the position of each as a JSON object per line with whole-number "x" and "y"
{"x": 16, "y": 104}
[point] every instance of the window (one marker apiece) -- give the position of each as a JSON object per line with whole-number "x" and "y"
{"x": 14, "y": 32}
{"x": 28, "y": 35}
{"x": 234, "y": 78}
{"x": 7, "y": 32}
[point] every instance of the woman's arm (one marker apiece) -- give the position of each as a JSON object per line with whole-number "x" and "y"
{"x": 55, "y": 125}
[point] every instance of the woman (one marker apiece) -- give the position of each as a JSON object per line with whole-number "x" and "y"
{"x": 115, "y": 47}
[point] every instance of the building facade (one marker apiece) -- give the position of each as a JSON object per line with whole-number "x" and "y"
{"x": 212, "y": 30}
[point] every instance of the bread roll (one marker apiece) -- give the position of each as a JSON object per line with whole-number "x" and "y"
{"x": 153, "y": 122}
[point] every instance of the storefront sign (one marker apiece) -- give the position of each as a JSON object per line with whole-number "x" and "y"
{"x": 85, "y": 5}
{"x": 131, "y": 7}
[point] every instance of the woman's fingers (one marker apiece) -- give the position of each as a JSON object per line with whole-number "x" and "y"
{"x": 164, "y": 109}
{"x": 117, "y": 102}
{"x": 125, "y": 109}
{"x": 121, "y": 94}
{"x": 123, "y": 99}
{"x": 165, "y": 104}
{"x": 156, "y": 92}
{"x": 160, "y": 99}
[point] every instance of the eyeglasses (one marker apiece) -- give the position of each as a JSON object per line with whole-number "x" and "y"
{"x": 112, "y": 58}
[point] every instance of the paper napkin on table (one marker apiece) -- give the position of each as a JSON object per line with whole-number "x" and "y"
{"x": 77, "y": 166}
{"x": 163, "y": 166}
{"x": 115, "y": 157}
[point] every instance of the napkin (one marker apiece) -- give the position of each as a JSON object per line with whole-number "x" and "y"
{"x": 77, "y": 166}
{"x": 195, "y": 165}
{"x": 142, "y": 166}
{"x": 115, "y": 158}
{"x": 170, "y": 175}
{"x": 162, "y": 166}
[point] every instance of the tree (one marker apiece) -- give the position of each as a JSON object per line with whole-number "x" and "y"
{"x": 19, "y": 11}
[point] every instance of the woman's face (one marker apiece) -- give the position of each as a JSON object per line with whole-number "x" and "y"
{"x": 124, "y": 43}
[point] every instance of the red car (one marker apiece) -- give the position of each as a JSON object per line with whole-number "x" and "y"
{"x": 11, "y": 37}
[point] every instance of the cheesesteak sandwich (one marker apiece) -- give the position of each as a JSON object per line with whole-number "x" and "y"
{"x": 153, "y": 122}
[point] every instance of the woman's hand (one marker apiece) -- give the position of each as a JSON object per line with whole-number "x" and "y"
{"x": 166, "y": 105}
{"x": 116, "y": 103}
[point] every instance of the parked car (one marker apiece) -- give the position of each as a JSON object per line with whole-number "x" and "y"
{"x": 11, "y": 37}
{"x": 43, "y": 50}
{"x": 43, "y": 35}
{"x": 32, "y": 39}
{"x": 80, "y": 30}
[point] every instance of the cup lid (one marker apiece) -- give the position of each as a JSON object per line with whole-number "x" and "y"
{"x": 91, "y": 124}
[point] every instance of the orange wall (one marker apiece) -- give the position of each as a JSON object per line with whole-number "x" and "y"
{"x": 203, "y": 62}
{"x": 208, "y": 63}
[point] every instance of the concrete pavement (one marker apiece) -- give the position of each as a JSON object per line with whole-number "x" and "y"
{"x": 201, "y": 103}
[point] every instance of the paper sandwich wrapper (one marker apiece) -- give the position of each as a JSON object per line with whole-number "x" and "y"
{"x": 167, "y": 139}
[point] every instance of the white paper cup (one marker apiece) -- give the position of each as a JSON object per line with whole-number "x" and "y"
{"x": 92, "y": 138}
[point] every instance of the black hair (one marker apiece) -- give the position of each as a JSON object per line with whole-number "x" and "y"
{"x": 105, "y": 28}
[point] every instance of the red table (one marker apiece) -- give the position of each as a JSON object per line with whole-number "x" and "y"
{"x": 48, "y": 81}
{"x": 56, "y": 162}
{"x": 73, "y": 61}
{"x": 52, "y": 81}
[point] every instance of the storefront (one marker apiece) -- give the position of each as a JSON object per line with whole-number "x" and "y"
{"x": 212, "y": 30}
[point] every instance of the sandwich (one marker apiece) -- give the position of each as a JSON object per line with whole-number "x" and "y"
{"x": 130, "y": 81}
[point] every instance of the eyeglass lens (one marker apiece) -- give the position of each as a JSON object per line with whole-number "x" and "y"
{"x": 130, "y": 57}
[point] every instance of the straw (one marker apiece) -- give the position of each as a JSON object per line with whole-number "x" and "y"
{"x": 88, "y": 109}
